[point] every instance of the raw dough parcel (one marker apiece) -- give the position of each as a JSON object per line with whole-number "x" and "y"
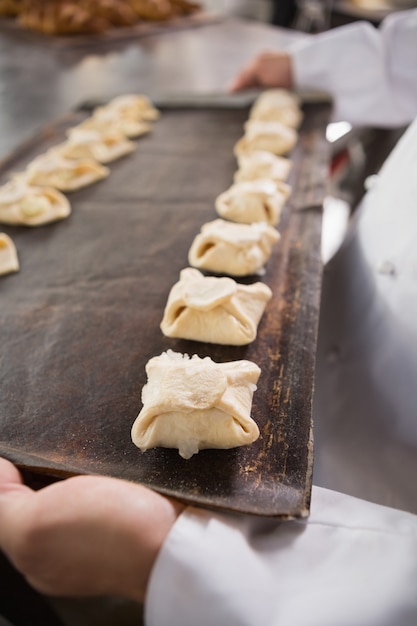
{"x": 235, "y": 249}
{"x": 9, "y": 261}
{"x": 134, "y": 107}
{"x": 105, "y": 119}
{"x": 214, "y": 310}
{"x": 91, "y": 144}
{"x": 277, "y": 105}
{"x": 259, "y": 200}
{"x": 270, "y": 136}
{"x": 53, "y": 170}
{"x": 193, "y": 403}
{"x": 262, "y": 164}
{"x": 23, "y": 204}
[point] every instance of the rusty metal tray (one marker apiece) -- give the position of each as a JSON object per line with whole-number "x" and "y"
{"x": 81, "y": 319}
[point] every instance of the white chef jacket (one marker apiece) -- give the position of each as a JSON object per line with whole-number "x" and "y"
{"x": 371, "y": 73}
{"x": 352, "y": 563}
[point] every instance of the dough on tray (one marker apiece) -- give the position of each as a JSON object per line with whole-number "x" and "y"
{"x": 134, "y": 107}
{"x": 277, "y": 105}
{"x": 262, "y": 164}
{"x": 230, "y": 248}
{"x": 53, "y": 170}
{"x": 194, "y": 403}
{"x": 259, "y": 200}
{"x": 91, "y": 144}
{"x": 214, "y": 310}
{"x": 9, "y": 261}
{"x": 23, "y": 204}
{"x": 270, "y": 136}
{"x": 105, "y": 119}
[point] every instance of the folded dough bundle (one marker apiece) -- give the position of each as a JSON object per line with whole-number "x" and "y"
{"x": 53, "y": 170}
{"x": 193, "y": 404}
{"x": 270, "y": 136}
{"x": 23, "y": 204}
{"x": 235, "y": 249}
{"x": 277, "y": 105}
{"x": 262, "y": 164}
{"x": 103, "y": 147}
{"x": 214, "y": 310}
{"x": 9, "y": 261}
{"x": 105, "y": 119}
{"x": 135, "y": 107}
{"x": 259, "y": 200}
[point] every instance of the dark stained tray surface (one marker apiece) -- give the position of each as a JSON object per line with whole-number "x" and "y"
{"x": 81, "y": 319}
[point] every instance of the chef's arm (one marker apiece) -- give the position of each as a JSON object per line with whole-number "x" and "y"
{"x": 369, "y": 72}
{"x": 351, "y": 562}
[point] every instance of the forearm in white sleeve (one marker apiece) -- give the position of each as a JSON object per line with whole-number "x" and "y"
{"x": 371, "y": 73}
{"x": 352, "y": 563}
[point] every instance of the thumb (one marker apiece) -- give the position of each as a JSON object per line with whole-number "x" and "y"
{"x": 13, "y": 500}
{"x": 11, "y": 484}
{"x": 244, "y": 80}
{"x": 9, "y": 475}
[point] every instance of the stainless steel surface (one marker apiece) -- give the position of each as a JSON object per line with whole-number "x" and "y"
{"x": 39, "y": 82}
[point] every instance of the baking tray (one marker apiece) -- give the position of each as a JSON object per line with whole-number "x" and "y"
{"x": 81, "y": 319}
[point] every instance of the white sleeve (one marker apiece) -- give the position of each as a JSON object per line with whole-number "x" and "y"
{"x": 352, "y": 563}
{"x": 370, "y": 72}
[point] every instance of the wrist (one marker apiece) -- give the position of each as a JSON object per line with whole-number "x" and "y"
{"x": 149, "y": 535}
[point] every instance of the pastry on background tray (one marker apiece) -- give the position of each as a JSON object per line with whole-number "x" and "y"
{"x": 23, "y": 204}
{"x": 194, "y": 404}
{"x": 10, "y": 8}
{"x": 259, "y": 200}
{"x": 85, "y": 17}
{"x": 214, "y": 310}
{"x": 162, "y": 9}
{"x": 9, "y": 261}
{"x": 68, "y": 17}
{"x": 230, "y": 248}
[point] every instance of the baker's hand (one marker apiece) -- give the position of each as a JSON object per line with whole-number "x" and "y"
{"x": 269, "y": 69}
{"x": 86, "y": 535}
